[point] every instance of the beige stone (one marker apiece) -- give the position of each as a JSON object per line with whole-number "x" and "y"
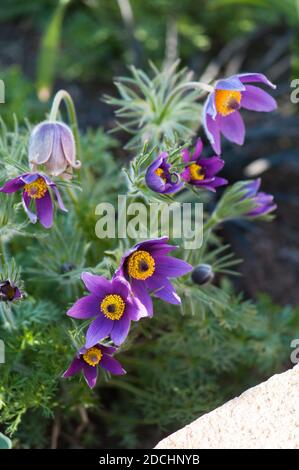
{"x": 263, "y": 417}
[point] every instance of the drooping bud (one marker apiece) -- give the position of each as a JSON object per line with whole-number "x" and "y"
{"x": 52, "y": 145}
{"x": 202, "y": 274}
{"x": 9, "y": 292}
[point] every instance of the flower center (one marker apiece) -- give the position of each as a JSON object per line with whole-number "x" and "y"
{"x": 141, "y": 265}
{"x": 37, "y": 189}
{"x": 161, "y": 174}
{"x": 92, "y": 356}
{"x": 113, "y": 306}
{"x": 196, "y": 172}
{"x": 227, "y": 101}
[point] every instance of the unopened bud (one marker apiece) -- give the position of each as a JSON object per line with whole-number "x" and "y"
{"x": 52, "y": 145}
{"x": 202, "y": 274}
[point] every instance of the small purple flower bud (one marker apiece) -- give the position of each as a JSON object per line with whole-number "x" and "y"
{"x": 202, "y": 274}
{"x": 52, "y": 145}
{"x": 9, "y": 292}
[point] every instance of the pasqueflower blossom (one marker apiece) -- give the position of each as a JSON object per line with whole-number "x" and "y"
{"x": 112, "y": 305}
{"x": 9, "y": 291}
{"x": 264, "y": 202}
{"x": 159, "y": 178}
{"x": 36, "y": 189}
{"x": 88, "y": 360}
{"x": 221, "y": 109}
{"x": 148, "y": 268}
{"x": 201, "y": 173}
{"x": 52, "y": 145}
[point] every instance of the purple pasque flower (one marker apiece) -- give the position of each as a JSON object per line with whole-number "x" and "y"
{"x": 201, "y": 173}
{"x": 36, "y": 189}
{"x": 159, "y": 178}
{"x": 112, "y": 306}
{"x": 88, "y": 360}
{"x": 52, "y": 145}
{"x": 264, "y": 202}
{"x": 148, "y": 269}
{"x": 9, "y": 292}
{"x": 221, "y": 109}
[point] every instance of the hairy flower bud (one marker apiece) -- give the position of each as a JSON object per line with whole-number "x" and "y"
{"x": 202, "y": 274}
{"x": 52, "y": 145}
{"x": 9, "y": 292}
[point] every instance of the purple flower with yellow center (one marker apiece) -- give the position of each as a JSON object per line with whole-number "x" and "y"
{"x": 201, "y": 172}
{"x": 221, "y": 109}
{"x": 36, "y": 189}
{"x": 148, "y": 268}
{"x": 88, "y": 360}
{"x": 112, "y": 305}
{"x": 9, "y": 292}
{"x": 264, "y": 202}
{"x": 52, "y": 145}
{"x": 159, "y": 178}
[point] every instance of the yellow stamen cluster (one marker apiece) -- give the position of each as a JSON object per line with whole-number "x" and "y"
{"x": 113, "y": 306}
{"x": 161, "y": 174}
{"x": 227, "y": 101}
{"x": 37, "y": 189}
{"x": 93, "y": 356}
{"x": 141, "y": 265}
{"x": 196, "y": 172}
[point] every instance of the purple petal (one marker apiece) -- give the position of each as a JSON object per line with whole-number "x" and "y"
{"x": 211, "y": 165}
{"x": 41, "y": 143}
{"x": 26, "y": 204}
{"x": 121, "y": 286}
{"x": 45, "y": 210}
{"x": 255, "y": 77}
{"x": 149, "y": 244}
{"x": 74, "y": 368}
{"x": 252, "y": 187}
{"x": 198, "y": 149}
{"x": 232, "y": 127}
{"x": 97, "y": 285}
{"x": 212, "y": 130}
{"x": 90, "y": 374}
{"x": 58, "y": 197}
{"x": 86, "y": 307}
{"x": 230, "y": 83}
{"x": 162, "y": 248}
{"x": 108, "y": 350}
{"x": 171, "y": 267}
{"x": 163, "y": 289}
{"x": 256, "y": 99}
{"x": 135, "y": 309}
{"x": 28, "y": 178}
{"x": 12, "y": 186}
{"x": 112, "y": 365}
{"x": 98, "y": 330}
{"x": 140, "y": 291}
{"x": 185, "y": 155}
{"x": 68, "y": 145}
{"x": 120, "y": 329}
